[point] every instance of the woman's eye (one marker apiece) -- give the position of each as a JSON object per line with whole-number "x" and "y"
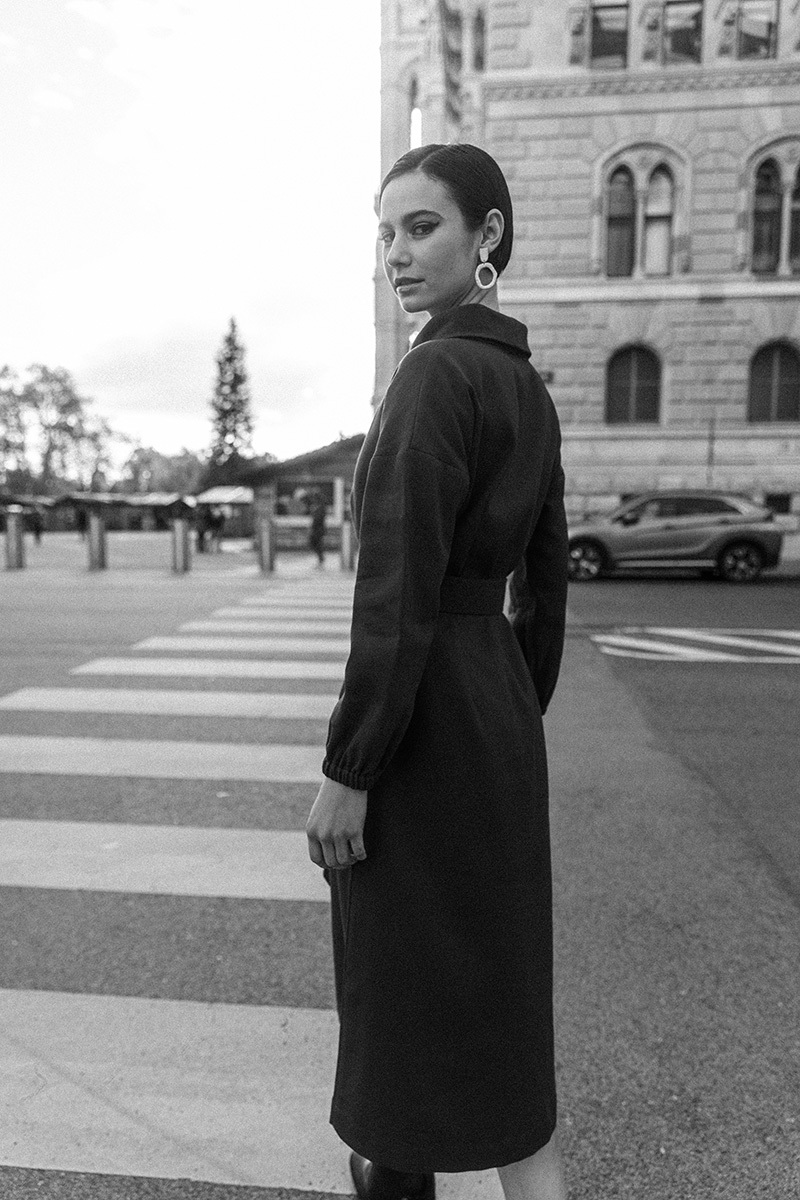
{"x": 423, "y": 229}
{"x": 386, "y": 238}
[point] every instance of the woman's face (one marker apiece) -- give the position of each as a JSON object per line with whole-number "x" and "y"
{"x": 429, "y": 254}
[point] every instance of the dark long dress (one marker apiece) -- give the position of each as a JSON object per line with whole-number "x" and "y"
{"x": 443, "y": 935}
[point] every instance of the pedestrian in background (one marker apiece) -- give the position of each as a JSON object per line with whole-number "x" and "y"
{"x": 37, "y": 524}
{"x": 216, "y": 528}
{"x": 432, "y": 820}
{"x": 316, "y": 534}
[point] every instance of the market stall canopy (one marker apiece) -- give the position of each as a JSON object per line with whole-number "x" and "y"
{"x": 225, "y": 495}
{"x": 7, "y": 498}
{"x": 154, "y": 500}
{"x": 336, "y": 460}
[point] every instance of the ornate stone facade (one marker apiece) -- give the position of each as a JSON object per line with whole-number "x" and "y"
{"x": 537, "y": 93}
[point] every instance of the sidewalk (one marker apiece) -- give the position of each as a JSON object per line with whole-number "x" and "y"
{"x": 790, "y": 556}
{"x": 677, "y": 968}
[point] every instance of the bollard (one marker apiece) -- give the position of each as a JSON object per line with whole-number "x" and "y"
{"x": 15, "y": 540}
{"x": 348, "y": 547}
{"x": 181, "y": 546}
{"x": 98, "y": 557}
{"x": 266, "y": 545}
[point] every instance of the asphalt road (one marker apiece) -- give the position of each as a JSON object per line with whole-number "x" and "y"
{"x": 675, "y": 831}
{"x": 736, "y": 725}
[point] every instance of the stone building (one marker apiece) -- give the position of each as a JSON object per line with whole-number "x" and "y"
{"x": 652, "y": 149}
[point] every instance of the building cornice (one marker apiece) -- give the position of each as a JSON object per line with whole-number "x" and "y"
{"x": 621, "y": 291}
{"x": 626, "y": 83}
{"x": 774, "y": 432}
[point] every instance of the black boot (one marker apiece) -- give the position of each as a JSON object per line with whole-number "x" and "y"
{"x": 381, "y": 1183}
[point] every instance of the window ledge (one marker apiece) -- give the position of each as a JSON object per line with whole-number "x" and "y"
{"x": 740, "y": 431}
{"x": 626, "y": 289}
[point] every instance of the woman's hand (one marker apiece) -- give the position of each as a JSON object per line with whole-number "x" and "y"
{"x": 335, "y": 827}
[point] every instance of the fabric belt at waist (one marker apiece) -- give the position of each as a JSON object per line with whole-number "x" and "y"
{"x": 473, "y": 597}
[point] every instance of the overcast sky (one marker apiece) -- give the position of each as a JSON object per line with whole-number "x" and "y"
{"x": 168, "y": 164}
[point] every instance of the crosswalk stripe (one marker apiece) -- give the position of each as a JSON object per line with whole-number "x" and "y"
{"x": 294, "y": 613}
{"x": 159, "y": 759}
{"x": 251, "y": 645}
{"x": 178, "y": 860}
{"x": 728, "y": 639}
{"x": 213, "y": 667}
{"x": 232, "y": 625}
{"x": 224, "y": 1093}
{"x": 147, "y": 702}
{"x": 345, "y": 604}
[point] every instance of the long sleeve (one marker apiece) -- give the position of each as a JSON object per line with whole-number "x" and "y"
{"x": 540, "y": 618}
{"x": 417, "y": 481}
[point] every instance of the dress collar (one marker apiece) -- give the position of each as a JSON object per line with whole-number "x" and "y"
{"x": 477, "y": 321}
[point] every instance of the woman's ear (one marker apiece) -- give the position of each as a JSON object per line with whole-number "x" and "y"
{"x": 492, "y": 231}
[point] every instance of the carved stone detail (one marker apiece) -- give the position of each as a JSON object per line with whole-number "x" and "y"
{"x": 727, "y": 33}
{"x": 651, "y": 46}
{"x": 652, "y": 84}
{"x": 578, "y": 19}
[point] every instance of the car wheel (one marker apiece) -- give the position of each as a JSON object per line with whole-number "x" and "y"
{"x": 741, "y": 562}
{"x": 586, "y": 560}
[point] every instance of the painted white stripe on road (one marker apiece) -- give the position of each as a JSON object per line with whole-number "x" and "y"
{"x": 620, "y": 652}
{"x": 230, "y": 1094}
{"x": 117, "y": 1085}
{"x": 250, "y": 645}
{"x": 295, "y": 613}
{"x": 727, "y": 639}
{"x": 689, "y": 653}
{"x": 213, "y": 668}
{"x": 286, "y": 628}
{"x": 147, "y": 702}
{"x": 168, "y": 860}
{"x": 119, "y": 757}
{"x": 792, "y": 634}
{"x": 343, "y": 604}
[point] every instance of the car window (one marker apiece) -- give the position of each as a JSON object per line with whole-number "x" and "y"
{"x": 663, "y": 506}
{"x": 648, "y": 510}
{"x": 698, "y": 506}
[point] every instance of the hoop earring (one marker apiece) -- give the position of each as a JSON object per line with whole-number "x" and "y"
{"x": 485, "y": 265}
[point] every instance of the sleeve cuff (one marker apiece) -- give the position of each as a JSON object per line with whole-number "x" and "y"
{"x": 352, "y": 779}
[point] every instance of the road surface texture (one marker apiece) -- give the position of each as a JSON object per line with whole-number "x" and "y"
{"x": 166, "y": 996}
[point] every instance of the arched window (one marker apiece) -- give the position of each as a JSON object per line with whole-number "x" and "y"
{"x": 775, "y": 384}
{"x": 621, "y": 241}
{"x": 767, "y": 219}
{"x": 633, "y": 386}
{"x": 658, "y": 223}
{"x": 415, "y": 116}
{"x": 794, "y": 227}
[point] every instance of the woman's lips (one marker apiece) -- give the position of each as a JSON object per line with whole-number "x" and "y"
{"x": 401, "y": 284}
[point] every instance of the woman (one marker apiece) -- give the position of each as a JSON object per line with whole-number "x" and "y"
{"x": 432, "y": 820}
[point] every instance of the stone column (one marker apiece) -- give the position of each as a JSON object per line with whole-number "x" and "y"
{"x": 181, "y": 548}
{"x": 15, "y": 538}
{"x": 98, "y": 552}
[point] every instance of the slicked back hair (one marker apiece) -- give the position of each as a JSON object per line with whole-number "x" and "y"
{"x": 473, "y": 179}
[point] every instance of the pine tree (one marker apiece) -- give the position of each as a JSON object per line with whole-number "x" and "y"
{"x": 232, "y": 417}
